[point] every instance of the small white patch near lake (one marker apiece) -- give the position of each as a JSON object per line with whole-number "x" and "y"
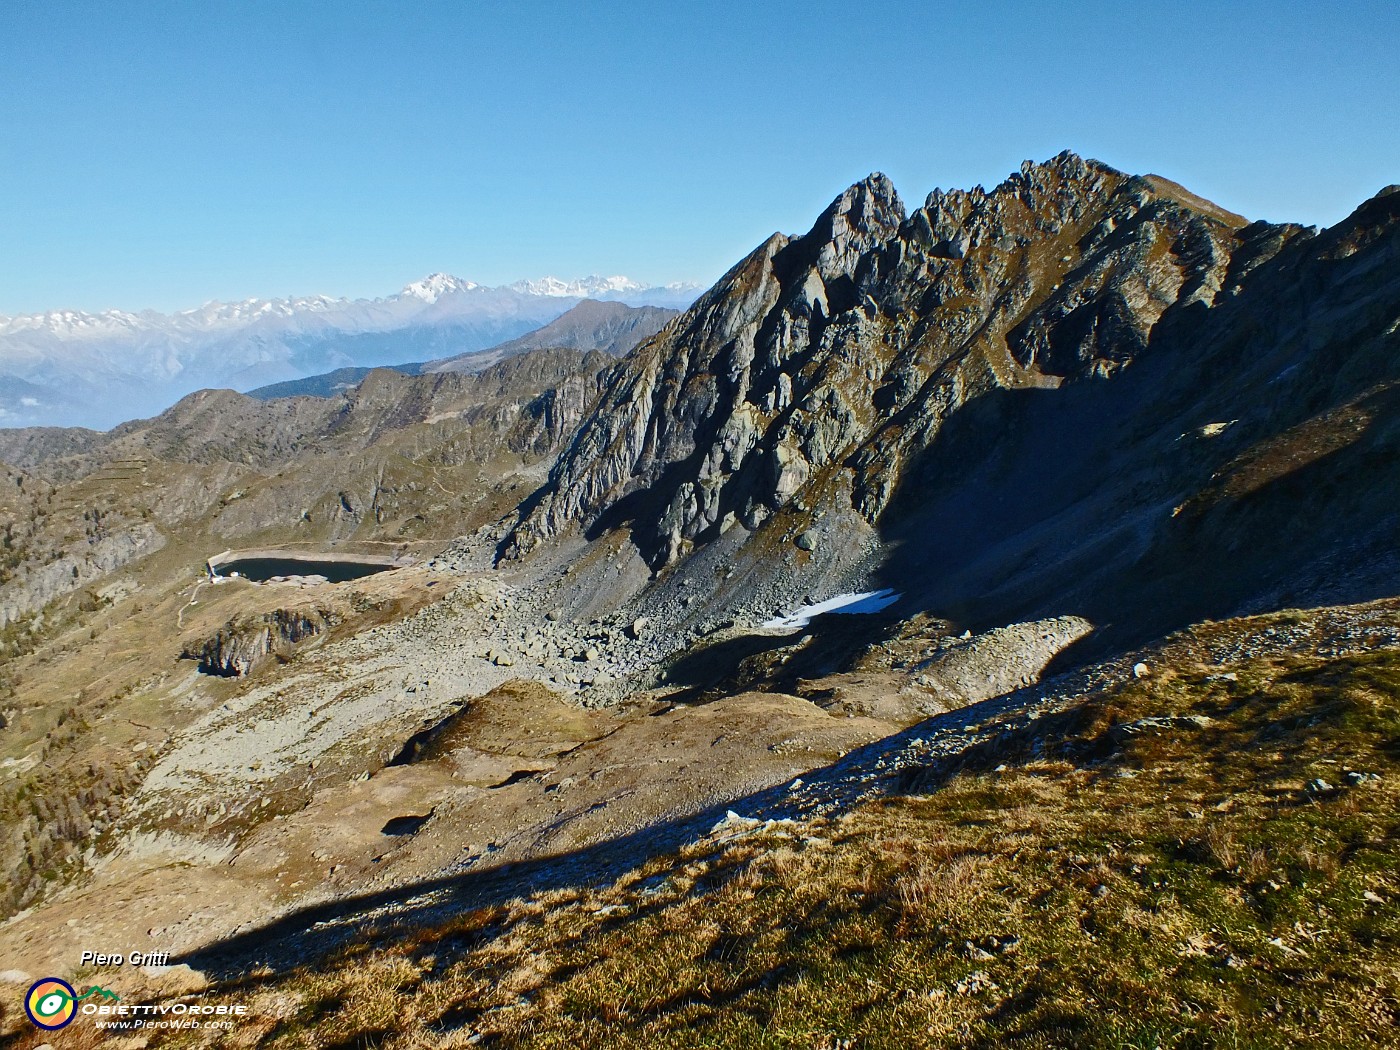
{"x": 846, "y": 604}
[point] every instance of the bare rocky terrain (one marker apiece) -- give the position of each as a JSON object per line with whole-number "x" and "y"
{"x": 1082, "y": 429}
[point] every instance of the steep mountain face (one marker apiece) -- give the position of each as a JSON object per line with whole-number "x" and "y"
{"x": 66, "y": 367}
{"x": 612, "y": 327}
{"x": 1077, "y": 411}
{"x": 1008, "y": 392}
{"x": 858, "y": 339}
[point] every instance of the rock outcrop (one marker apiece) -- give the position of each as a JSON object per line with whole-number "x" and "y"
{"x": 75, "y": 568}
{"x": 968, "y": 670}
{"x": 823, "y": 363}
{"x": 241, "y": 645}
{"x": 1066, "y": 395}
{"x": 52, "y": 546}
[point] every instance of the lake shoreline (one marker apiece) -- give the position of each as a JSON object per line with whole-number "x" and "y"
{"x": 263, "y": 564}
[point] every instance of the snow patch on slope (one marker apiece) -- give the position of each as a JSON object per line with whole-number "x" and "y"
{"x": 861, "y": 603}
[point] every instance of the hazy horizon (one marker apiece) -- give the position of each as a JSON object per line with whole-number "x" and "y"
{"x": 168, "y": 155}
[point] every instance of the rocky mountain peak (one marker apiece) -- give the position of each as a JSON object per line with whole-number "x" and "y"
{"x": 433, "y": 287}
{"x": 866, "y": 215}
{"x": 797, "y": 394}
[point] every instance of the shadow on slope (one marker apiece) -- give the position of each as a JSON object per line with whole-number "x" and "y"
{"x": 313, "y": 932}
{"x": 1143, "y": 509}
{"x": 1020, "y": 725}
{"x": 831, "y": 643}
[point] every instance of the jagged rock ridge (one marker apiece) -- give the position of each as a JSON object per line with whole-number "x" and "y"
{"x": 1026, "y": 395}
{"x": 834, "y": 356}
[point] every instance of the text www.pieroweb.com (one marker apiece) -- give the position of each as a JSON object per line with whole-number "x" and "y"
{"x": 148, "y": 1023}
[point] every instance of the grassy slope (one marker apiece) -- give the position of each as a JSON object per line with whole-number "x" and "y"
{"x": 1173, "y": 885}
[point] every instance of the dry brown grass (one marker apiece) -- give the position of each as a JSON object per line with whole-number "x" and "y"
{"x": 1158, "y": 888}
{"x": 1162, "y": 888}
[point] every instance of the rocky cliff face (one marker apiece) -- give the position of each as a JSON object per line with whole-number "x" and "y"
{"x": 820, "y": 364}
{"x": 1013, "y": 390}
{"x": 240, "y": 646}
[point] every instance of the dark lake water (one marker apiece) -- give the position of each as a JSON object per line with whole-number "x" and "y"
{"x": 259, "y": 569}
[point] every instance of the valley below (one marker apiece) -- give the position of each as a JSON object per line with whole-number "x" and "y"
{"x": 972, "y": 625}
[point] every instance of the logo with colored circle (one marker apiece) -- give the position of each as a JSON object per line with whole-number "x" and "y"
{"x": 51, "y": 1003}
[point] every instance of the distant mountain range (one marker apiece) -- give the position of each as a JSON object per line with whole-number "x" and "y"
{"x": 612, "y": 327}
{"x": 1120, "y": 467}
{"x": 68, "y": 367}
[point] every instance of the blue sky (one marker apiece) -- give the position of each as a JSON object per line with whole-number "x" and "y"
{"x": 160, "y": 155}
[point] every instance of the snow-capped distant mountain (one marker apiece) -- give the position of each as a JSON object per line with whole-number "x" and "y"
{"x": 590, "y": 287}
{"x": 69, "y": 367}
{"x": 613, "y": 289}
{"x": 433, "y": 287}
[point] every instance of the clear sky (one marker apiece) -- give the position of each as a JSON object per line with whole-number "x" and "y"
{"x": 163, "y": 154}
